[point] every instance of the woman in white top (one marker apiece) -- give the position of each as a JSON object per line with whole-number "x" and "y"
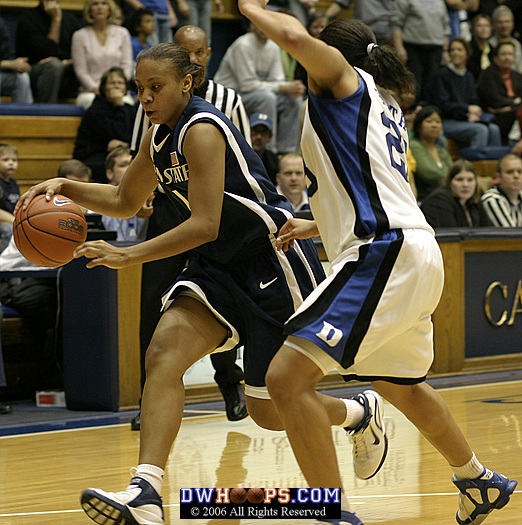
{"x": 99, "y": 46}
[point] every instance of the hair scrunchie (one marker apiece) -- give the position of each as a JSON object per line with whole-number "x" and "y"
{"x": 370, "y": 48}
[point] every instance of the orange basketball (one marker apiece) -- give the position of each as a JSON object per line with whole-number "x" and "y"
{"x": 255, "y": 495}
{"x": 48, "y": 232}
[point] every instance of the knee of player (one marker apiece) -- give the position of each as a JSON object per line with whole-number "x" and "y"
{"x": 264, "y": 414}
{"x": 161, "y": 357}
{"x": 277, "y": 384}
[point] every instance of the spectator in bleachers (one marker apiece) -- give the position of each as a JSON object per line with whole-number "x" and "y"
{"x": 499, "y": 89}
{"x": 503, "y": 202}
{"x": 98, "y": 47}
{"x": 200, "y": 14}
{"x": 44, "y": 35}
{"x": 503, "y": 25}
{"x": 182, "y": 12}
{"x": 14, "y": 71}
{"x": 252, "y": 66}
{"x": 453, "y": 92}
{"x": 420, "y": 34}
{"x": 118, "y": 17}
{"x": 432, "y": 160}
{"x": 106, "y": 124}
{"x": 164, "y": 18}
{"x": 141, "y": 27}
{"x": 291, "y": 181}
{"x": 375, "y": 13}
{"x": 261, "y": 126}
{"x": 486, "y": 7}
{"x": 9, "y": 191}
{"x": 516, "y": 9}
{"x": 458, "y": 12}
{"x": 479, "y": 59}
{"x": 133, "y": 228}
{"x": 456, "y": 204}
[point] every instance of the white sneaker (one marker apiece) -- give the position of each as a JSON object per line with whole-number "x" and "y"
{"x": 140, "y": 504}
{"x": 370, "y": 444}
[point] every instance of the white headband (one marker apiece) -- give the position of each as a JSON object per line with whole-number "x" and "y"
{"x": 370, "y": 47}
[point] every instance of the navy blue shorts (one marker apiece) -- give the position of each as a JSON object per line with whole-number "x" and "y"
{"x": 253, "y": 298}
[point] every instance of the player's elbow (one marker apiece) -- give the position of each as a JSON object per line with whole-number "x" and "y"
{"x": 209, "y": 232}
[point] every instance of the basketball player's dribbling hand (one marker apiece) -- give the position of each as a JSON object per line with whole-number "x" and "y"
{"x": 102, "y": 253}
{"x": 48, "y": 187}
{"x": 295, "y": 229}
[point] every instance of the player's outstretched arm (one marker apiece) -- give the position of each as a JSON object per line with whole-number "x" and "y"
{"x": 121, "y": 201}
{"x": 295, "y": 229}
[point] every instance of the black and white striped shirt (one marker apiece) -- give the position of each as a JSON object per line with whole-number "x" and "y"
{"x": 224, "y": 99}
{"x": 501, "y": 211}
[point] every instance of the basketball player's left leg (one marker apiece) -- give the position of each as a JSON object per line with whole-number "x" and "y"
{"x": 481, "y": 490}
{"x": 187, "y": 331}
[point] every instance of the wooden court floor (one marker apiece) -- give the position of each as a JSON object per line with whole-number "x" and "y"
{"x": 42, "y": 475}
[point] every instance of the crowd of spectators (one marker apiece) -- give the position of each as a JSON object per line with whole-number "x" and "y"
{"x": 466, "y": 57}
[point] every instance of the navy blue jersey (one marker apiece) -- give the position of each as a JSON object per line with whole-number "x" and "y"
{"x": 253, "y": 211}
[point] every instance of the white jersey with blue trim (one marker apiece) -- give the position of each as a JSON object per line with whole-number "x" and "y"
{"x": 355, "y": 158}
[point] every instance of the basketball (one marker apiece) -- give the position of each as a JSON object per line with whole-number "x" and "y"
{"x": 238, "y": 495}
{"x": 256, "y": 495}
{"x": 47, "y": 232}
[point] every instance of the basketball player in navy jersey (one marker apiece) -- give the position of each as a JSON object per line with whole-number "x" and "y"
{"x": 371, "y": 318}
{"x": 156, "y": 276}
{"x": 237, "y": 287}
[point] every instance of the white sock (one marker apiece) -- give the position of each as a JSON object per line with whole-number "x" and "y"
{"x": 354, "y": 413}
{"x": 473, "y": 469}
{"x": 154, "y": 475}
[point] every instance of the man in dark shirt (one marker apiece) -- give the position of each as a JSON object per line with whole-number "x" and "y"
{"x": 261, "y": 126}
{"x": 44, "y": 35}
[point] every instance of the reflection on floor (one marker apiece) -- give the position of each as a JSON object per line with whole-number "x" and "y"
{"x": 42, "y": 474}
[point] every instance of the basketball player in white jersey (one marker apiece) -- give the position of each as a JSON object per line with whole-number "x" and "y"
{"x": 371, "y": 318}
{"x": 237, "y": 288}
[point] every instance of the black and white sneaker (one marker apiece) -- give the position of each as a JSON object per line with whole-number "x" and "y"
{"x": 370, "y": 444}
{"x": 139, "y": 504}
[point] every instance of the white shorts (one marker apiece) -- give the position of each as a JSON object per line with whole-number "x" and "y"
{"x": 371, "y": 318}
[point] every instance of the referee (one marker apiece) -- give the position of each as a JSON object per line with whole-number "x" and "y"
{"x": 157, "y": 276}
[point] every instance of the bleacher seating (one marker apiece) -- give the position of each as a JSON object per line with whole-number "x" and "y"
{"x": 44, "y": 135}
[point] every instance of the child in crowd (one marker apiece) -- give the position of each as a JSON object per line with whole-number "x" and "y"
{"x": 135, "y": 227}
{"x": 9, "y": 191}
{"x": 141, "y": 28}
